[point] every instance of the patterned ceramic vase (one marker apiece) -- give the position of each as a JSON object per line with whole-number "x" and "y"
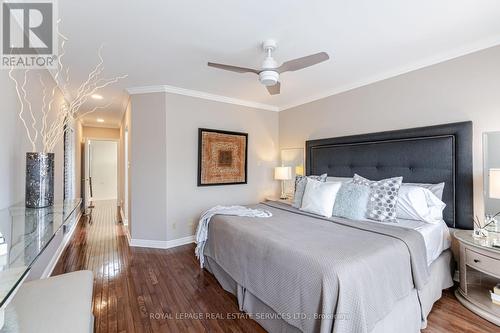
{"x": 39, "y": 180}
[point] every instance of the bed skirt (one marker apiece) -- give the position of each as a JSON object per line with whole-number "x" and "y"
{"x": 405, "y": 316}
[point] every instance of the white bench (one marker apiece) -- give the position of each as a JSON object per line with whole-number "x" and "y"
{"x": 58, "y": 304}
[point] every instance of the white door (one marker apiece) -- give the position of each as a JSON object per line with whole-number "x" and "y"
{"x": 103, "y": 169}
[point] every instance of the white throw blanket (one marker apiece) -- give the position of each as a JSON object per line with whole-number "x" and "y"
{"x": 202, "y": 230}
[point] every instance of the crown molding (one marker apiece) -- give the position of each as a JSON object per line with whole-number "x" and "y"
{"x": 200, "y": 94}
{"x": 431, "y": 61}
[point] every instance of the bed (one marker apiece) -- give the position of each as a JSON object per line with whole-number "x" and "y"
{"x": 299, "y": 272}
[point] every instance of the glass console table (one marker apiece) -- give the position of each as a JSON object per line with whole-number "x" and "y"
{"x": 25, "y": 233}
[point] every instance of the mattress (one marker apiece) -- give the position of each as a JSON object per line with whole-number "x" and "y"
{"x": 437, "y": 236}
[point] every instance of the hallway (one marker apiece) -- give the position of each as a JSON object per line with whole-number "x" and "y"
{"x": 102, "y": 248}
{"x": 153, "y": 290}
{"x": 146, "y": 290}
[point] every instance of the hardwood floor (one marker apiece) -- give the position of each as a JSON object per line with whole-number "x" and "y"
{"x": 150, "y": 290}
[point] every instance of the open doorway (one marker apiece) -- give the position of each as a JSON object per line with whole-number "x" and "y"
{"x": 101, "y": 170}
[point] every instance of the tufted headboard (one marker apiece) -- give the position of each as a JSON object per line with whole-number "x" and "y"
{"x": 433, "y": 154}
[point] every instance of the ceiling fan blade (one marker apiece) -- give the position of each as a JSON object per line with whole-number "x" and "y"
{"x": 233, "y": 68}
{"x": 299, "y": 63}
{"x": 274, "y": 90}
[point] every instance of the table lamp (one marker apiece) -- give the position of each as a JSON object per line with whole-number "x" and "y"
{"x": 494, "y": 193}
{"x": 299, "y": 170}
{"x": 283, "y": 173}
{"x": 494, "y": 184}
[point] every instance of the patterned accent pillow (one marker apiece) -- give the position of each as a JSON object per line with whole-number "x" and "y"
{"x": 383, "y": 197}
{"x": 300, "y": 187}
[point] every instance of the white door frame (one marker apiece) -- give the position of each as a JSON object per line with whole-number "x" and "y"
{"x": 126, "y": 166}
{"x": 87, "y": 164}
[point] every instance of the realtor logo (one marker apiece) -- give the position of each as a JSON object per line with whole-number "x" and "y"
{"x": 28, "y": 34}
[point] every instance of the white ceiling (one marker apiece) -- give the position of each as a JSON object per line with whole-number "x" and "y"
{"x": 170, "y": 42}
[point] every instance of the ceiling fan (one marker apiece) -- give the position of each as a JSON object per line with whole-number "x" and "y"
{"x": 269, "y": 75}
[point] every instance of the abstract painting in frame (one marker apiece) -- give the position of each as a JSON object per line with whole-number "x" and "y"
{"x": 222, "y": 157}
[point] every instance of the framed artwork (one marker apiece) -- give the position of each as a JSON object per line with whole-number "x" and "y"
{"x": 222, "y": 157}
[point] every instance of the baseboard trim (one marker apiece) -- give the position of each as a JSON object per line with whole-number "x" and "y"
{"x": 156, "y": 244}
{"x": 180, "y": 241}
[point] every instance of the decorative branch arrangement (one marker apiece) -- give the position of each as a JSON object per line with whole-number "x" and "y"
{"x": 487, "y": 222}
{"x": 47, "y": 131}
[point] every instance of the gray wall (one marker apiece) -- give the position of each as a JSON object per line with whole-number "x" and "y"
{"x": 466, "y": 88}
{"x": 12, "y": 143}
{"x": 185, "y": 200}
{"x": 166, "y": 201}
{"x": 148, "y": 212}
{"x": 101, "y": 132}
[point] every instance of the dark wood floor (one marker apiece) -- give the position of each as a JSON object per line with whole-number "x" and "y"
{"x": 149, "y": 290}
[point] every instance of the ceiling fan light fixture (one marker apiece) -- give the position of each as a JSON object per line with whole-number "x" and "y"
{"x": 269, "y": 63}
{"x": 269, "y": 73}
{"x": 269, "y": 78}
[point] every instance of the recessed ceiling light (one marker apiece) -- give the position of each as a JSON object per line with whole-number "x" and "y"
{"x": 100, "y": 120}
{"x": 97, "y": 96}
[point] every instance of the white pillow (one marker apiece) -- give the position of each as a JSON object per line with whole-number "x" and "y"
{"x": 319, "y": 197}
{"x": 436, "y": 189}
{"x": 418, "y": 203}
{"x": 300, "y": 187}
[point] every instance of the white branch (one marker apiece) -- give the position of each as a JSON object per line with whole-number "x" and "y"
{"x": 44, "y": 111}
{"x": 51, "y": 133}
{"x": 93, "y": 110}
{"x": 21, "y": 109}
{"x": 66, "y": 80}
{"x": 30, "y": 107}
{"x": 59, "y": 58}
{"x": 81, "y": 99}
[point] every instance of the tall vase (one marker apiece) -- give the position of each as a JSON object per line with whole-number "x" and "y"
{"x": 39, "y": 180}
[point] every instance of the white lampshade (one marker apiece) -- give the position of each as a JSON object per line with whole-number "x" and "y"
{"x": 283, "y": 173}
{"x": 494, "y": 183}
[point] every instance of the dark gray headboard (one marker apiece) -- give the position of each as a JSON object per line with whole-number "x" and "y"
{"x": 433, "y": 154}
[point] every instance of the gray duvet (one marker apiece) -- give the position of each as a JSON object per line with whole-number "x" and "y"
{"x": 318, "y": 274}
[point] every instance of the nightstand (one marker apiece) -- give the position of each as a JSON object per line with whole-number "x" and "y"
{"x": 479, "y": 273}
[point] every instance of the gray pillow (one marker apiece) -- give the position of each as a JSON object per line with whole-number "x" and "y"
{"x": 351, "y": 201}
{"x": 300, "y": 187}
{"x": 339, "y": 179}
{"x": 383, "y": 197}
